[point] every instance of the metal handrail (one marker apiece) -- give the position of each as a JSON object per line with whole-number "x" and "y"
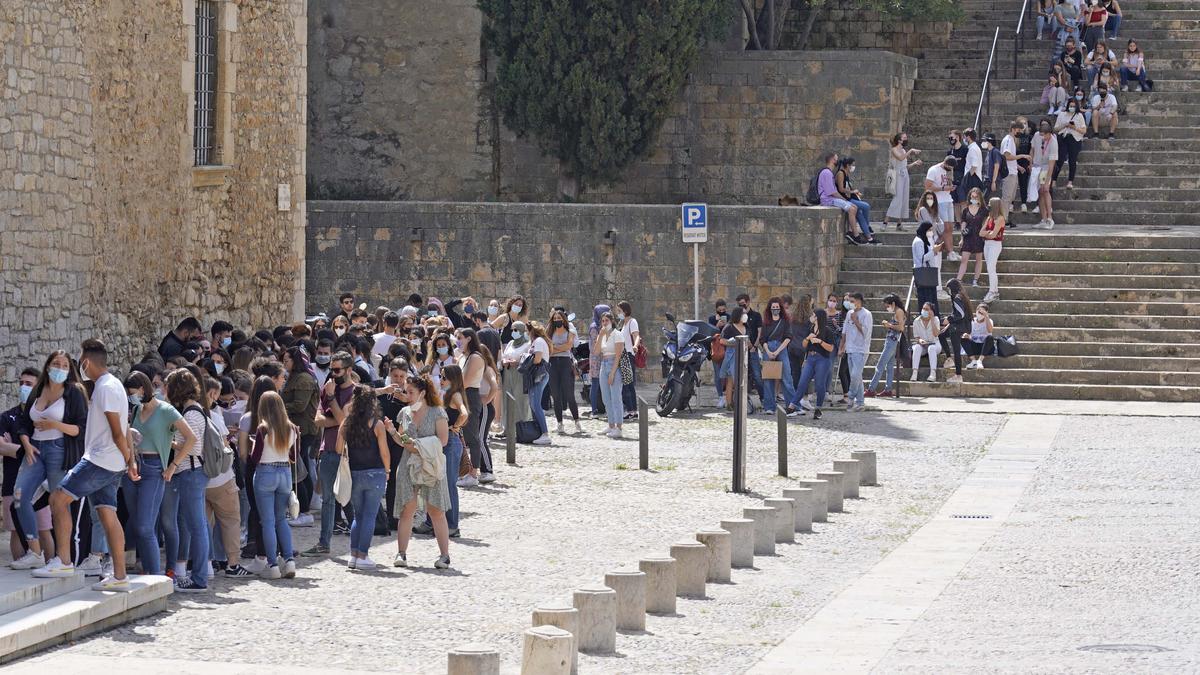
{"x": 987, "y": 82}
{"x": 1017, "y": 38}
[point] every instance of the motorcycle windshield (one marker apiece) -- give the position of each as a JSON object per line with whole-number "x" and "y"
{"x": 684, "y": 333}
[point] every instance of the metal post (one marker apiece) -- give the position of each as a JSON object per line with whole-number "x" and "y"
{"x": 741, "y": 399}
{"x": 695, "y": 281}
{"x": 643, "y": 434}
{"x": 781, "y": 433}
{"x": 510, "y": 420}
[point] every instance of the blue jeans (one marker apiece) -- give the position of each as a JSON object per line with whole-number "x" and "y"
{"x": 453, "y": 451}
{"x": 143, "y": 500}
{"x": 177, "y": 538}
{"x": 887, "y": 362}
{"x": 47, "y": 466}
{"x": 368, "y": 488}
{"x": 857, "y": 361}
{"x": 327, "y": 470}
{"x": 272, "y": 491}
{"x": 768, "y": 388}
{"x": 1127, "y": 75}
{"x": 191, "y": 485}
{"x": 611, "y": 392}
{"x": 816, "y": 370}
{"x": 864, "y": 216}
{"x": 1041, "y": 24}
{"x": 596, "y": 395}
{"x": 1113, "y": 25}
{"x": 535, "y": 403}
{"x": 629, "y": 393}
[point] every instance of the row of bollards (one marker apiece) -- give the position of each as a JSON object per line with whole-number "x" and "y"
{"x": 596, "y": 612}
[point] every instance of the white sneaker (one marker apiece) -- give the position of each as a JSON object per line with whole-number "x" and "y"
{"x": 979, "y": 365}
{"x": 467, "y": 481}
{"x": 257, "y": 566}
{"x": 562, "y": 431}
{"x": 111, "y": 583}
{"x": 914, "y": 376}
{"x": 28, "y": 561}
{"x": 616, "y": 433}
{"x": 1049, "y": 223}
{"x": 272, "y": 572}
{"x": 400, "y": 560}
{"x": 949, "y": 362}
{"x": 367, "y": 564}
{"x": 805, "y": 405}
{"x": 106, "y": 567}
{"x": 1035, "y": 209}
{"x": 954, "y": 379}
{"x": 1024, "y": 208}
{"x": 953, "y": 256}
{"x": 720, "y": 401}
{"x": 302, "y": 520}
{"x": 486, "y": 477}
{"x": 932, "y": 377}
{"x": 578, "y": 427}
{"x": 289, "y": 569}
{"x": 544, "y": 439}
{"x": 54, "y": 569}
{"x": 91, "y": 566}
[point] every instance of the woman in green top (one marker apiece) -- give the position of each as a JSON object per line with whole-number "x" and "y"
{"x": 156, "y": 421}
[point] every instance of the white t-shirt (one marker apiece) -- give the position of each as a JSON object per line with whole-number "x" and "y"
{"x": 99, "y": 449}
{"x": 630, "y": 327}
{"x": 974, "y": 161}
{"x": 542, "y": 347}
{"x": 1107, "y": 106}
{"x": 941, "y": 182}
{"x": 1009, "y": 146}
{"x": 514, "y": 352}
{"x": 383, "y": 342}
{"x": 608, "y": 346}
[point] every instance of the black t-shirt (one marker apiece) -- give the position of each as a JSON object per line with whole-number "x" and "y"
{"x": 170, "y": 346}
{"x": 8, "y": 425}
{"x": 389, "y": 407}
{"x": 754, "y": 323}
{"x": 363, "y": 457}
{"x": 780, "y": 330}
{"x": 826, "y": 336}
{"x": 960, "y": 153}
{"x": 490, "y": 339}
{"x": 730, "y": 331}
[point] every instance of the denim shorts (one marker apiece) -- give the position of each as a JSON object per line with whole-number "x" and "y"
{"x": 840, "y": 204}
{"x": 88, "y": 480}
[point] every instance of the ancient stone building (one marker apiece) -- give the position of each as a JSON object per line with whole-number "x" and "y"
{"x": 117, "y": 215}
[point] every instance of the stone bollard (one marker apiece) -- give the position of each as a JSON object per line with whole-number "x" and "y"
{"x": 564, "y": 616}
{"x": 834, "y": 493}
{"x": 785, "y": 519}
{"x": 631, "y": 598}
{"x": 720, "y": 554}
{"x": 850, "y": 468}
{"x": 547, "y": 651}
{"x": 764, "y": 528}
{"x": 803, "y": 510}
{"x": 867, "y": 459}
{"x": 597, "y": 607}
{"x": 691, "y": 568}
{"x": 473, "y": 659}
{"x": 820, "y": 498}
{"x": 660, "y": 584}
{"x": 741, "y": 541}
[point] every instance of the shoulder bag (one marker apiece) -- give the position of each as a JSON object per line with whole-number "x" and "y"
{"x": 925, "y": 276}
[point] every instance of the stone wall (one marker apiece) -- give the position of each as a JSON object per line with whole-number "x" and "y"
{"x": 557, "y": 253}
{"x": 396, "y": 109}
{"x": 105, "y": 227}
{"x": 749, "y": 127}
{"x": 852, "y": 28}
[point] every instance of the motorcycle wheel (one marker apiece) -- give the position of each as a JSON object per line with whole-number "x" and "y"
{"x": 668, "y": 398}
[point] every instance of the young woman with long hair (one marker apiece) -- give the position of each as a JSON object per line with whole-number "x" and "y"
{"x": 894, "y": 327}
{"x": 421, "y": 418}
{"x": 275, "y": 438}
{"x": 363, "y": 439}
{"x": 187, "y": 483}
{"x": 972, "y": 244}
{"x": 246, "y": 438}
{"x": 819, "y": 345}
{"x": 478, "y": 370}
{"x": 540, "y": 348}
{"x": 455, "y": 403}
{"x": 993, "y": 243}
{"x": 301, "y": 395}
{"x": 774, "y": 339}
{"x": 609, "y": 346}
{"x": 562, "y": 369}
{"x": 954, "y": 326}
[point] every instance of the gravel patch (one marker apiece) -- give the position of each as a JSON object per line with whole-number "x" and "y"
{"x": 561, "y": 518}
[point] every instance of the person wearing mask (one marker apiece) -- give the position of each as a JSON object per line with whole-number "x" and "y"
{"x": 979, "y": 342}
{"x": 958, "y": 150}
{"x": 187, "y": 482}
{"x": 423, "y": 417}
{"x": 954, "y": 326}
{"x": 222, "y": 334}
{"x": 774, "y": 341}
{"x": 754, "y": 324}
{"x": 363, "y": 439}
{"x": 53, "y": 417}
{"x": 830, "y": 196}
{"x": 1072, "y": 63}
{"x": 1106, "y": 76}
{"x": 1054, "y": 96}
{"x": 1071, "y": 127}
{"x": 633, "y": 344}
{"x": 478, "y": 368}
{"x": 973, "y": 176}
{"x": 972, "y": 243}
{"x": 1010, "y": 183}
{"x": 819, "y": 346}
{"x": 609, "y": 346}
{"x": 894, "y": 327}
{"x": 856, "y": 344}
{"x": 836, "y": 313}
{"x": 516, "y": 310}
{"x": 562, "y": 369}
{"x": 441, "y": 354}
{"x": 993, "y": 238}
{"x": 1095, "y": 16}
{"x": 1066, "y": 25}
{"x": 275, "y": 440}
{"x": 925, "y": 341}
{"x": 1024, "y": 141}
{"x": 719, "y": 319}
{"x": 455, "y": 404}
{"x": 246, "y": 425}
{"x": 1045, "y": 157}
{"x": 994, "y": 168}
{"x": 463, "y": 320}
{"x": 594, "y": 361}
{"x": 845, "y": 188}
{"x": 510, "y": 359}
{"x": 800, "y": 329}
{"x": 901, "y": 158}
{"x": 107, "y": 458}
{"x": 390, "y": 406}
{"x": 321, "y": 361}
{"x": 734, "y": 327}
{"x": 222, "y": 500}
{"x": 927, "y": 252}
{"x": 938, "y": 182}
{"x": 335, "y": 396}
{"x": 301, "y": 395}
{"x": 1133, "y": 67}
{"x": 12, "y": 455}
{"x": 340, "y": 324}
{"x": 1100, "y": 56}
{"x": 540, "y": 349}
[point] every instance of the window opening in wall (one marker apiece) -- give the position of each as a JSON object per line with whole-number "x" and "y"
{"x": 204, "y": 139}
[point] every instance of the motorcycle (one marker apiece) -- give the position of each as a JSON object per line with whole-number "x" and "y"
{"x": 686, "y": 348}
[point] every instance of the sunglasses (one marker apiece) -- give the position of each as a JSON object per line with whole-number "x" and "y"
{"x": 337, "y": 371}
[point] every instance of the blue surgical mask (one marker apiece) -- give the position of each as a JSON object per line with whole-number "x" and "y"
{"x": 324, "y": 359}
{"x": 469, "y": 309}
{"x": 493, "y": 310}
{"x": 847, "y": 304}
{"x": 219, "y": 368}
{"x": 519, "y": 334}
{"x": 58, "y": 375}
{"x": 26, "y": 390}
{"x": 924, "y": 314}
{"x": 226, "y": 341}
{"x": 442, "y": 351}
{"x": 620, "y": 316}
{"x": 134, "y": 399}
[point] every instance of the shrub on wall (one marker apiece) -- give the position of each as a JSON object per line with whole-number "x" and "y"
{"x": 593, "y": 81}
{"x": 923, "y": 10}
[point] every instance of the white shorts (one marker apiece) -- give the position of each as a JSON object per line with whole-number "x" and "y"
{"x": 946, "y": 211}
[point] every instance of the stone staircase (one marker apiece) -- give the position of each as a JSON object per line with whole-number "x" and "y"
{"x": 1107, "y": 305}
{"x": 38, "y": 613}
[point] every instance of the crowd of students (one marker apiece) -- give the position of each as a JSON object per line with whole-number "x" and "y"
{"x": 219, "y": 442}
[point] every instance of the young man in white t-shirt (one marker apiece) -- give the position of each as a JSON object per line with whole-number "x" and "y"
{"x": 1010, "y": 184}
{"x": 939, "y": 180}
{"x": 106, "y": 459}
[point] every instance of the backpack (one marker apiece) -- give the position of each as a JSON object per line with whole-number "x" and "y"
{"x": 813, "y": 196}
{"x": 215, "y": 455}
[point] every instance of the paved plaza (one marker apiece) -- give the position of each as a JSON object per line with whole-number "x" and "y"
{"x": 1087, "y": 562}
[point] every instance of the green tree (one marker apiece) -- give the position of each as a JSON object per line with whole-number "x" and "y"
{"x": 593, "y": 80}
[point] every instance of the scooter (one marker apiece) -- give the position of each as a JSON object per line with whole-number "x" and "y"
{"x": 686, "y": 348}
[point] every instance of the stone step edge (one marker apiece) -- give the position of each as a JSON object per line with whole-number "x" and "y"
{"x": 31, "y": 590}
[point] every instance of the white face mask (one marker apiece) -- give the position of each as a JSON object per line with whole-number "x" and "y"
{"x": 924, "y": 314}
{"x": 974, "y": 202}
{"x": 339, "y": 331}
{"x": 219, "y": 368}
{"x": 929, "y": 202}
{"x": 516, "y": 309}
{"x": 416, "y": 406}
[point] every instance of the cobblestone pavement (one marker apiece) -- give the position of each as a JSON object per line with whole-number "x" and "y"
{"x": 1096, "y": 571}
{"x": 564, "y": 516}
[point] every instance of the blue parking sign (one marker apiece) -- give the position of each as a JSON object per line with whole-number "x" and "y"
{"x": 695, "y": 223}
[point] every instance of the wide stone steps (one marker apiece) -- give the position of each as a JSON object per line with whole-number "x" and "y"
{"x": 1162, "y": 85}
{"x": 1021, "y": 249}
{"x": 1108, "y": 364}
{"x": 1047, "y": 282}
{"x": 1030, "y": 267}
{"x": 1080, "y": 392}
{"x": 1143, "y": 350}
{"x": 898, "y": 285}
{"x": 1017, "y": 375}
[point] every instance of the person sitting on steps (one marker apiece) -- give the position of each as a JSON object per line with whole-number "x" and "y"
{"x": 830, "y": 196}
{"x": 1104, "y": 111}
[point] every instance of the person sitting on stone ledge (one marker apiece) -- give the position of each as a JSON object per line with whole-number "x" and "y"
{"x": 830, "y": 196}
{"x": 979, "y": 342}
{"x": 1054, "y": 97}
{"x": 845, "y": 188}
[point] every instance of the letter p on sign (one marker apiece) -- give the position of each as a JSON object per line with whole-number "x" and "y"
{"x": 695, "y": 223}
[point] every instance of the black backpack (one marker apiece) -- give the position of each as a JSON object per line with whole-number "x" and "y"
{"x": 813, "y": 196}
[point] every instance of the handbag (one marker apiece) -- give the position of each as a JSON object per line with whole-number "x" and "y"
{"x": 343, "y": 482}
{"x": 772, "y": 370}
{"x": 293, "y": 500}
{"x": 626, "y": 366}
{"x": 528, "y": 431}
{"x": 889, "y": 182}
{"x": 464, "y": 464}
{"x": 639, "y": 355}
{"x": 925, "y": 277}
{"x": 1007, "y": 346}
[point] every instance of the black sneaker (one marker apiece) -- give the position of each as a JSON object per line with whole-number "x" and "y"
{"x": 454, "y": 534}
{"x": 238, "y": 571}
{"x": 851, "y": 238}
{"x": 315, "y": 552}
{"x": 1112, "y": 137}
{"x": 341, "y": 528}
{"x": 874, "y": 242}
{"x": 817, "y": 414}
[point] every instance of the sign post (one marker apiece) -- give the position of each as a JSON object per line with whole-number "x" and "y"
{"x": 695, "y": 232}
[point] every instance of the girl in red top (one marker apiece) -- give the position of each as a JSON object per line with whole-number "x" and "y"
{"x": 993, "y": 236}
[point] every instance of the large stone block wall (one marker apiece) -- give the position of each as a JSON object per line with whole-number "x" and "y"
{"x": 396, "y": 107}
{"x": 749, "y": 127}
{"x": 103, "y": 231}
{"x": 838, "y": 27}
{"x": 556, "y": 253}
